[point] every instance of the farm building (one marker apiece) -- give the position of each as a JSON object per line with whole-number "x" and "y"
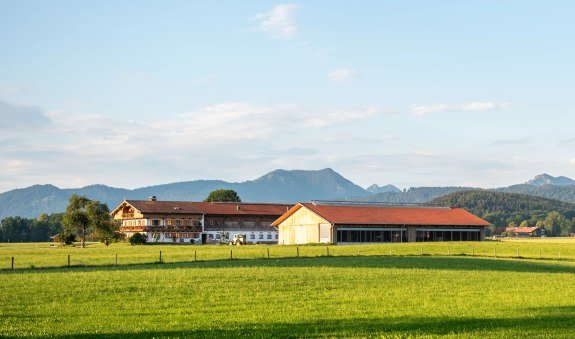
{"x": 160, "y": 221}
{"x": 525, "y": 232}
{"x": 329, "y": 223}
{"x": 253, "y": 220}
{"x": 198, "y": 222}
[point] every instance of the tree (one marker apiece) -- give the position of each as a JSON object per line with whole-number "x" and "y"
{"x": 222, "y": 195}
{"x": 105, "y": 229}
{"x": 524, "y": 224}
{"x": 84, "y": 215}
{"x": 556, "y": 223}
{"x": 15, "y": 229}
{"x": 566, "y": 227}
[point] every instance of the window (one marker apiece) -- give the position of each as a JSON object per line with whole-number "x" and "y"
{"x": 269, "y": 235}
{"x": 252, "y": 236}
{"x": 276, "y": 236}
{"x": 218, "y": 236}
{"x": 261, "y": 236}
{"x": 178, "y": 223}
{"x": 155, "y": 222}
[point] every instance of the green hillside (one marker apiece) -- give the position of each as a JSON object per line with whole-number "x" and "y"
{"x": 501, "y": 209}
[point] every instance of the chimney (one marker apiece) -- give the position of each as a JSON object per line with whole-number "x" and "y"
{"x": 238, "y": 207}
{"x": 152, "y": 198}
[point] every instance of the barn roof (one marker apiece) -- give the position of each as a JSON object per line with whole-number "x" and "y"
{"x": 208, "y": 208}
{"x": 218, "y": 208}
{"x": 521, "y": 229}
{"x": 165, "y": 207}
{"x": 389, "y": 215}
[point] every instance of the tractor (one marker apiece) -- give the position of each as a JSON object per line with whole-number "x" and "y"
{"x": 239, "y": 239}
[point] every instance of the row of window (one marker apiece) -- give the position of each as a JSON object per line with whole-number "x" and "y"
{"x": 252, "y": 236}
{"x": 371, "y": 236}
{"x": 458, "y": 235}
{"x": 177, "y": 235}
{"x": 157, "y": 222}
{"x": 261, "y": 236}
{"x": 401, "y": 236}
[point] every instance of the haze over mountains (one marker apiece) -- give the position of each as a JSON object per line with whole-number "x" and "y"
{"x": 276, "y": 186}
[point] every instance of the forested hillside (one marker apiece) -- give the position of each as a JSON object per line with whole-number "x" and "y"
{"x": 563, "y": 193}
{"x": 509, "y": 209}
{"x": 413, "y": 195}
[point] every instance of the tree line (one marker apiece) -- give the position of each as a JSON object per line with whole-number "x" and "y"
{"x": 17, "y": 229}
{"x": 84, "y": 219}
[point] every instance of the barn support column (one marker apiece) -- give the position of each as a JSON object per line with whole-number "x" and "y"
{"x": 411, "y": 234}
{"x": 334, "y": 238}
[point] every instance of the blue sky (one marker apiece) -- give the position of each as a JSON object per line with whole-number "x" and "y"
{"x": 412, "y": 93}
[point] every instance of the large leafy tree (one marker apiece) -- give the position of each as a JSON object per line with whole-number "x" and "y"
{"x": 555, "y": 224}
{"x": 85, "y": 216}
{"x": 223, "y": 196}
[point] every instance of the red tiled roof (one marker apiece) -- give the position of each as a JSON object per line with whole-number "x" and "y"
{"x": 390, "y": 215}
{"x": 521, "y": 229}
{"x": 190, "y": 207}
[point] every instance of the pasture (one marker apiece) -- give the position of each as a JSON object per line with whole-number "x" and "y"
{"x": 344, "y": 295}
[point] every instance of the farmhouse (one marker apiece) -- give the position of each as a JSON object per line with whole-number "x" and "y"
{"x": 160, "y": 221}
{"x": 329, "y": 223}
{"x": 525, "y": 232}
{"x": 198, "y": 222}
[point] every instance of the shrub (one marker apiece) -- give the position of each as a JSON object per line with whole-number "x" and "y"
{"x": 137, "y": 239}
{"x": 65, "y": 238}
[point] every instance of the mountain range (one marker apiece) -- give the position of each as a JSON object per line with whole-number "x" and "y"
{"x": 277, "y": 186}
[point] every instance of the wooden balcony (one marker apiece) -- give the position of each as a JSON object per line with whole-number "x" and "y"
{"x": 133, "y": 228}
{"x": 161, "y": 228}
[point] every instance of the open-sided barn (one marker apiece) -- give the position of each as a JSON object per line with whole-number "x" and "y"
{"x": 333, "y": 223}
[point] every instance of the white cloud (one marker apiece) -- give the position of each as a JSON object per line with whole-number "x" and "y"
{"x": 279, "y": 22}
{"x": 337, "y": 116}
{"x": 341, "y": 75}
{"x": 465, "y": 107}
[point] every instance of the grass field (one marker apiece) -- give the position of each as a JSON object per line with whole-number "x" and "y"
{"x": 43, "y": 255}
{"x": 344, "y": 295}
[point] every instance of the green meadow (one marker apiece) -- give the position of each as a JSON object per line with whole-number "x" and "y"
{"x": 392, "y": 290}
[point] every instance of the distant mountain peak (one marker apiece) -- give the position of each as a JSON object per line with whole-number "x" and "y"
{"x": 375, "y": 189}
{"x": 546, "y": 179}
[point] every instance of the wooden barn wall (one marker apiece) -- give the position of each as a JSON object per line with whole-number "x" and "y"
{"x": 238, "y": 222}
{"x": 304, "y": 227}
